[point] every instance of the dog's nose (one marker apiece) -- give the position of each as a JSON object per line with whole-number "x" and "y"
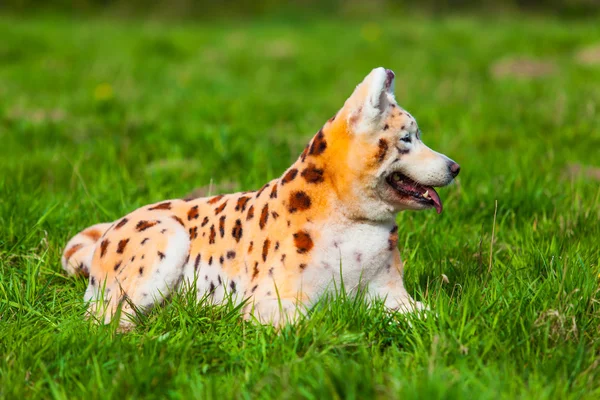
{"x": 454, "y": 169}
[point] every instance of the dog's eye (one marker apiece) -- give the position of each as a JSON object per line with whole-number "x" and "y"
{"x": 406, "y": 139}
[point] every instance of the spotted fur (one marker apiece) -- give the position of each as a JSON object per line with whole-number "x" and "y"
{"x": 282, "y": 246}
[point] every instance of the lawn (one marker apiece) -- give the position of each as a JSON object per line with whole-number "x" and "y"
{"x": 100, "y": 116}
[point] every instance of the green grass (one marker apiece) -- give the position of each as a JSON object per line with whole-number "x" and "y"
{"x": 98, "y": 117}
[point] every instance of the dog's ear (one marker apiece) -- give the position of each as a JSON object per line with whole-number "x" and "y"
{"x": 370, "y": 101}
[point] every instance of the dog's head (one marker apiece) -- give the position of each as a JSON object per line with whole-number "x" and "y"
{"x": 388, "y": 167}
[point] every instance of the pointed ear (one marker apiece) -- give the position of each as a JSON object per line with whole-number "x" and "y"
{"x": 370, "y": 100}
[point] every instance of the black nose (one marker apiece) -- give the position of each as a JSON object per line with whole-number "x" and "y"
{"x": 454, "y": 169}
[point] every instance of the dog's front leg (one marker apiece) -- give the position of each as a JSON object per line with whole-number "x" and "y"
{"x": 389, "y": 285}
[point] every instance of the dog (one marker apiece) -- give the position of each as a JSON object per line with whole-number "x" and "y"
{"x": 331, "y": 216}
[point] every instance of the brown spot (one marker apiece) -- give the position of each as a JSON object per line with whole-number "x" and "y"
{"x": 265, "y": 250}
{"x": 283, "y": 257}
{"x": 332, "y": 118}
{"x": 161, "y": 255}
{"x": 213, "y": 234}
{"x": 386, "y": 127}
{"x": 276, "y": 246}
{"x": 302, "y": 267}
{"x": 179, "y": 220}
{"x": 318, "y": 145}
{"x": 144, "y": 241}
{"x": 141, "y": 271}
{"x": 204, "y": 222}
{"x": 261, "y": 190}
{"x": 255, "y": 271}
{"x": 250, "y": 247}
{"x": 197, "y": 262}
{"x": 222, "y": 226}
{"x": 69, "y": 253}
{"x": 193, "y": 232}
{"x": 254, "y": 288}
{"x": 121, "y": 223}
{"x": 299, "y": 201}
{"x": 121, "y": 246}
{"x": 103, "y": 247}
{"x": 193, "y": 213}
{"x": 274, "y": 214}
{"x": 241, "y": 203}
{"x": 117, "y": 265}
{"x": 231, "y": 254}
{"x": 383, "y": 148}
{"x": 289, "y": 176}
{"x": 143, "y": 225}
{"x": 273, "y": 194}
{"x": 237, "y": 230}
{"x": 219, "y": 209}
{"x": 161, "y": 206}
{"x": 264, "y": 216}
{"x": 250, "y": 213}
{"x": 303, "y": 242}
{"x": 312, "y": 174}
{"x": 304, "y": 153}
{"x": 215, "y": 199}
{"x": 393, "y": 238}
{"x": 92, "y": 234}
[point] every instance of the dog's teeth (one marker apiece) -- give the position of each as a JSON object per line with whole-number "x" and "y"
{"x": 426, "y": 194}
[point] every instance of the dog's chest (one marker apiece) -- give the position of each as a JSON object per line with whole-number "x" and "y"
{"x": 355, "y": 252}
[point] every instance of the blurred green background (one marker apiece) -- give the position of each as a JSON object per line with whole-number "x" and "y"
{"x": 107, "y": 106}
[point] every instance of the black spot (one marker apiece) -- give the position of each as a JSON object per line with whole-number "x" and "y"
{"x": 254, "y": 288}
{"x": 161, "y": 255}
{"x": 197, "y": 262}
{"x": 103, "y": 247}
{"x": 237, "y": 231}
{"x": 219, "y": 209}
{"x": 213, "y": 234}
{"x": 211, "y": 288}
{"x": 231, "y": 254}
{"x": 241, "y": 203}
{"x": 161, "y": 206}
{"x": 121, "y": 246}
{"x": 93, "y": 281}
{"x": 141, "y": 271}
{"x": 179, "y": 220}
{"x": 121, "y": 223}
{"x": 221, "y": 259}
{"x": 204, "y": 222}
{"x": 144, "y": 241}
{"x": 262, "y": 190}
{"x": 210, "y": 261}
{"x": 143, "y": 225}
{"x": 265, "y": 251}
{"x": 222, "y": 226}
{"x": 264, "y": 216}
{"x": 318, "y": 145}
{"x": 232, "y": 286}
{"x": 274, "y": 192}
{"x": 117, "y": 266}
{"x": 289, "y": 176}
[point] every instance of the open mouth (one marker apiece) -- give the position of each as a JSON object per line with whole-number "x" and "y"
{"x": 417, "y": 192}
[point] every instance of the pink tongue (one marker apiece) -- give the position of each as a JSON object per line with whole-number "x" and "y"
{"x": 436, "y": 200}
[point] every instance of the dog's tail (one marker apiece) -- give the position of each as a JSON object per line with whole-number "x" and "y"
{"x": 77, "y": 256}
